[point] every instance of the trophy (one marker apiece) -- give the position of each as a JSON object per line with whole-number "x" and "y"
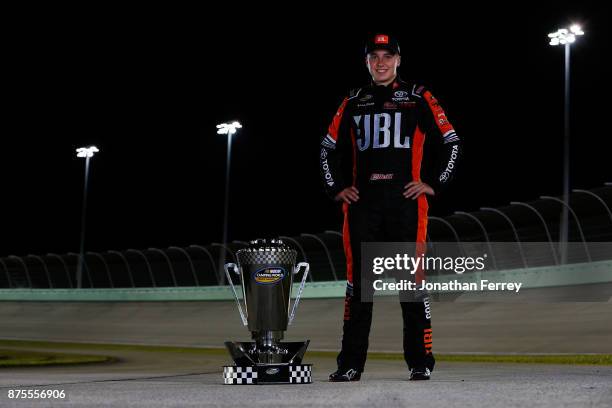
{"x": 266, "y": 269}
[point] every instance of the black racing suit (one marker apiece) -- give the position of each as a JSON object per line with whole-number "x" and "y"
{"x": 385, "y": 129}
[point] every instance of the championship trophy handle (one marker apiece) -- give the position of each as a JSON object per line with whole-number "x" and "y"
{"x": 299, "y": 294}
{"x": 234, "y": 267}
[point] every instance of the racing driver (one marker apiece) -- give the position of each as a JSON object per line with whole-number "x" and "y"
{"x": 380, "y": 132}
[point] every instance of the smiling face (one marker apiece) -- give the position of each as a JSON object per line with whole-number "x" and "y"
{"x": 382, "y": 65}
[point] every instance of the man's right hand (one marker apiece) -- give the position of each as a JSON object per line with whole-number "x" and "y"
{"x": 348, "y": 195}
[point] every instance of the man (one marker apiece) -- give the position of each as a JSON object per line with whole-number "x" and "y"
{"x": 385, "y": 125}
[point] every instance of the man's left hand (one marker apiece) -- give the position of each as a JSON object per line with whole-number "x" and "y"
{"x": 415, "y": 188}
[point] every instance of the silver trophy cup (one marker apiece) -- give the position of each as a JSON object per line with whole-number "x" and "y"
{"x": 266, "y": 270}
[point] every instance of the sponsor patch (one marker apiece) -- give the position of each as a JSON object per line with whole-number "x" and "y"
{"x": 379, "y": 176}
{"x": 427, "y": 340}
{"x": 390, "y": 105}
{"x": 450, "y": 165}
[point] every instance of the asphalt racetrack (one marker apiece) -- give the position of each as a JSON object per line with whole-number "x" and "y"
{"x": 145, "y": 379}
{"x": 171, "y": 379}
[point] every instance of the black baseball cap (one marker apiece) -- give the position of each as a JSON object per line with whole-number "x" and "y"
{"x": 384, "y": 42}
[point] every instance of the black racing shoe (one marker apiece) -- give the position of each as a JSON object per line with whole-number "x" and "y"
{"x": 347, "y": 374}
{"x": 418, "y": 374}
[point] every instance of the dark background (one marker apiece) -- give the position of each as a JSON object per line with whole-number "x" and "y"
{"x": 148, "y": 87}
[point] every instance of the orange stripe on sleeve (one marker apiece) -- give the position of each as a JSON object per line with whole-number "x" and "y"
{"x": 438, "y": 113}
{"x": 334, "y": 126}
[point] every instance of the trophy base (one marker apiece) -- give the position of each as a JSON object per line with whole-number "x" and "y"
{"x": 252, "y": 366}
{"x": 268, "y": 374}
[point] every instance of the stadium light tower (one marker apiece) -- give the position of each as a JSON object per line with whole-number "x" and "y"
{"x": 228, "y": 129}
{"x": 565, "y": 37}
{"x": 87, "y": 153}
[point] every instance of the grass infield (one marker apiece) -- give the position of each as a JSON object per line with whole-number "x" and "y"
{"x": 581, "y": 359}
{"x": 20, "y": 358}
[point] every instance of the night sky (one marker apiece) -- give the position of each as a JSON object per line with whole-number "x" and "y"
{"x": 148, "y": 87}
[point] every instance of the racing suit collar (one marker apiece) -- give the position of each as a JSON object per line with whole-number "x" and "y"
{"x": 393, "y": 85}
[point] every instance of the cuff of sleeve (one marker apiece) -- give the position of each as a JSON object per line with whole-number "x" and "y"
{"x": 438, "y": 187}
{"x": 332, "y": 192}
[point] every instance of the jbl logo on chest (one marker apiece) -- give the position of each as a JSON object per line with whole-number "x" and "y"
{"x": 377, "y": 130}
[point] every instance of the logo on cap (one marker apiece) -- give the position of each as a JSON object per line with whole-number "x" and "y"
{"x": 381, "y": 39}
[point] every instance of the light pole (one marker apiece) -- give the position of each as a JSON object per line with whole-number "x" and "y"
{"x": 226, "y": 129}
{"x": 565, "y": 37}
{"x": 87, "y": 153}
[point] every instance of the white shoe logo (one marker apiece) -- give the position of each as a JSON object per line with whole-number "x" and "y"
{"x": 350, "y": 373}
